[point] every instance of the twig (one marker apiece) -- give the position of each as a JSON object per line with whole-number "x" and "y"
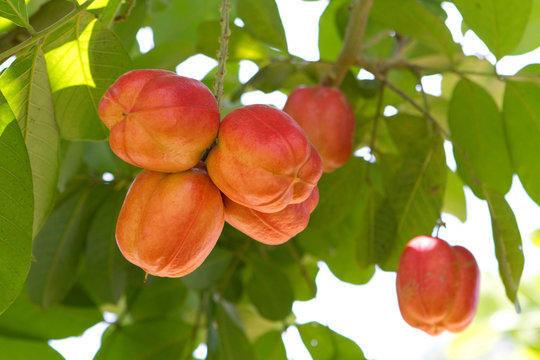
{"x": 125, "y": 15}
{"x": 222, "y": 53}
{"x": 375, "y": 127}
{"x": 406, "y": 97}
{"x": 352, "y": 43}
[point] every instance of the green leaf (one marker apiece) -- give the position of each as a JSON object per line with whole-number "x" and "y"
{"x": 409, "y": 17}
{"x": 499, "y": 25}
{"x": 182, "y": 17}
{"x": 508, "y": 244}
{"x": 330, "y": 40}
{"x": 454, "y": 197}
{"x": 127, "y": 30}
{"x": 159, "y": 298}
{"x": 340, "y": 245}
{"x": 18, "y": 349}
{"x": 416, "y": 190}
{"x": 339, "y": 191}
{"x": 165, "y": 56}
{"x": 479, "y": 141}
{"x": 325, "y": 344}
{"x": 83, "y": 59}
{"x": 241, "y": 45}
{"x": 530, "y": 40}
{"x": 107, "y": 268}
{"x": 227, "y": 339}
{"x": 157, "y": 339}
{"x": 521, "y": 114}
{"x": 14, "y": 10}
{"x": 71, "y": 161}
{"x": 269, "y": 346}
{"x": 16, "y": 211}
{"x": 269, "y": 289}
{"x": 58, "y": 247}
{"x": 211, "y": 270}
{"x": 25, "y": 85}
{"x": 24, "y": 320}
{"x": 261, "y": 19}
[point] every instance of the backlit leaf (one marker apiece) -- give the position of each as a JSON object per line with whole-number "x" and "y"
{"x": 83, "y": 59}
{"x": 25, "y": 85}
{"x": 14, "y": 10}
{"x": 499, "y": 25}
{"x": 261, "y": 19}
{"x": 409, "y": 17}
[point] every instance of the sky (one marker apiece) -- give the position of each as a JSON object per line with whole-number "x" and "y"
{"x": 368, "y": 314}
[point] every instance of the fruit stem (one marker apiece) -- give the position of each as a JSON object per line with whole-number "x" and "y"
{"x": 222, "y": 53}
{"x": 352, "y": 43}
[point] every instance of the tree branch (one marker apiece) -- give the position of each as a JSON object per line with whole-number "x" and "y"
{"x": 352, "y": 43}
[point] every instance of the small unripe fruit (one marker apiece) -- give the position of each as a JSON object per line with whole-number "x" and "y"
{"x": 437, "y": 285}
{"x": 263, "y": 159}
{"x": 271, "y": 228}
{"x": 169, "y": 223}
{"x": 327, "y": 118}
{"x": 159, "y": 120}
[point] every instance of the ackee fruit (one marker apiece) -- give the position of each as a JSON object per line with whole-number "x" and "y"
{"x": 159, "y": 120}
{"x": 437, "y": 285}
{"x": 169, "y": 223}
{"x": 263, "y": 159}
{"x": 271, "y": 228}
{"x": 326, "y": 116}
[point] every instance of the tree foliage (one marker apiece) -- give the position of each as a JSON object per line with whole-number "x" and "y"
{"x": 58, "y": 211}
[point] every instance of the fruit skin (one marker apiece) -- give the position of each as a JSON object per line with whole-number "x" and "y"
{"x": 159, "y": 120}
{"x": 169, "y": 223}
{"x": 271, "y": 228}
{"x": 326, "y": 116}
{"x": 437, "y": 285}
{"x": 263, "y": 159}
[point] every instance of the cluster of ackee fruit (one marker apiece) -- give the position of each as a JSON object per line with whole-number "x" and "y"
{"x": 261, "y": 176}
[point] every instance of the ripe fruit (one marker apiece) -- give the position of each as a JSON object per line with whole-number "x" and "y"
{"x": 169, "y": 223}
{"x": 159, "y": 120}
{"x": 271, "y": 228}
{"x": 437, "y": 285}
{"x": 327, "y": 117}
{"x": 263, "y": 159}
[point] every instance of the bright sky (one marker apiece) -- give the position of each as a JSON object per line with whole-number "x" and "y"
{"x": 368, "y": 314}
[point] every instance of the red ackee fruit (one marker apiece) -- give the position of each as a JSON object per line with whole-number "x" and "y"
{"x": 437, "y": 285}
{"x": 169, "y": 223}
{"x": 327, "y": 118}
{"x": 159, "y": 120}
{"x": 263, "y": 159}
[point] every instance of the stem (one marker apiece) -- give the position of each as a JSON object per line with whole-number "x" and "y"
{"x": 376, "y": 122}
{"x": 45, "y": 32}
{"x": 352, "y": 43}
{"x": 406, "y": 97}
{"x": 222, "y": 53}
